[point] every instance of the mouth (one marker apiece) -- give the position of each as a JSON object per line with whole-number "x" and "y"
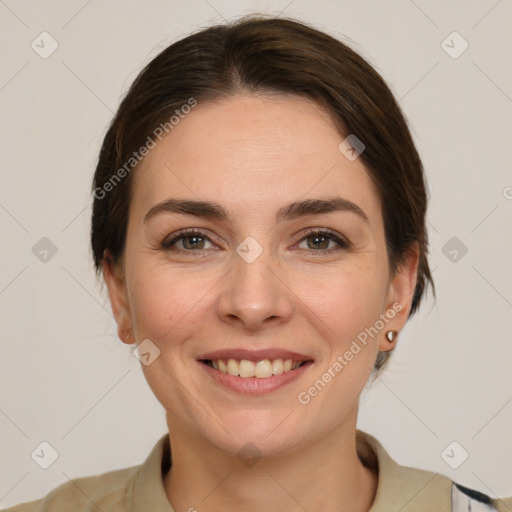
{"x": 260, "y": 369}
{"x": 254, "y": 372}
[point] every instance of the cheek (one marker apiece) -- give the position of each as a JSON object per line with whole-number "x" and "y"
{"x": 166, "y": 303}
{"x": 349, "y": 304}
{"x": 347, "y": 301}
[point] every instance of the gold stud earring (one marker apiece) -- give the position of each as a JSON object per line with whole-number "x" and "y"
{"x": 390, "y": 336}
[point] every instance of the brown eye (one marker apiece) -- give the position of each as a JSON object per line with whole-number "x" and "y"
{"x": 318, "y": 242}
{"x": 193, "y": 242}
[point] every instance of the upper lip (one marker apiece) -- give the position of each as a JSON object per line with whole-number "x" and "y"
{"x": 254, "y": 355}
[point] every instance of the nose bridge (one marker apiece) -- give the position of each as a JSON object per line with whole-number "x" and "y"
{"x": 253, "y": 291}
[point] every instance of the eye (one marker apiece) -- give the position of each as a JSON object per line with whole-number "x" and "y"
{"x": 193, "y": 241}
{"x": 190, "y": 240}
{"x": 320, "y": 240}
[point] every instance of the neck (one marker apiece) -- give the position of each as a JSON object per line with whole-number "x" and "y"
{"x": 326, "y": 475}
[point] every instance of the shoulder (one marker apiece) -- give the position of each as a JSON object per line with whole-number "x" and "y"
{"x": 410, "y": 489}
{"x": 107, "y": 491}
{"x": 135, "y": 488}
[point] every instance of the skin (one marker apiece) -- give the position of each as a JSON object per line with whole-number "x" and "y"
{"x": 255, "y": 153}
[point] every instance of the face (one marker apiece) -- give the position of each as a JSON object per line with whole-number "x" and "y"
{"x": 252, "y": 279}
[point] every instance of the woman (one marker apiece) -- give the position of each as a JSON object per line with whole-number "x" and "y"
{"x": 259, "y": 220}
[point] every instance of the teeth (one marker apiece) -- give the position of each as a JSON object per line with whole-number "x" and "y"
{"x": 277, "y": 367}
{"x": 245, "y": 368}
{"x": 232, "y": 367}
{"x": 262, "y": 369}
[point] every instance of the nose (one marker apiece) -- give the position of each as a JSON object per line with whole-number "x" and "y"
{"x": 255, "y": 294}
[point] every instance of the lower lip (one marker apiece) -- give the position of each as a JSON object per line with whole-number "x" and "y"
{"x": 255, "y": 385}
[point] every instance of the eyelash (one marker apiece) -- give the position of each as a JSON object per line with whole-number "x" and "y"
{"x": 343, "y": 244}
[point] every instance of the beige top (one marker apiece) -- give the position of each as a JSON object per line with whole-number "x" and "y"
{"x": 140, "y": 488}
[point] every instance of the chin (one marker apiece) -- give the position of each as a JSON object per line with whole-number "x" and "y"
{"x": 266, "y": 433}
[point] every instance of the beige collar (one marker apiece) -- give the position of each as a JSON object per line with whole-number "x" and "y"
{"x": 400, "y": 488}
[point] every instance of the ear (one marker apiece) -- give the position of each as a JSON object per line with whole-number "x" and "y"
{"x": 116, "y": 283}
{"x": 399, "y": 296}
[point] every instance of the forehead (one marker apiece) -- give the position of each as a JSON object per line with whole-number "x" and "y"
{"x": 252, "y": 152}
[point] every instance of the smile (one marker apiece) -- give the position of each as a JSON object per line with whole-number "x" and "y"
{"x": 260, "y": 369}
{"x": 254, "y": 377}
{"x": 254, "y": 372}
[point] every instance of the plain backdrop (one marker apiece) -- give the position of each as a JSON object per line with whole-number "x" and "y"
{"x": 67, "y": 380}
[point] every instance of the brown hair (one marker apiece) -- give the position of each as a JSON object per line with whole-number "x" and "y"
{"x": 258, "y": 53}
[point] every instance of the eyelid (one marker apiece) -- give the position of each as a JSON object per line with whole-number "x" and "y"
{"x": 326, "y": 231}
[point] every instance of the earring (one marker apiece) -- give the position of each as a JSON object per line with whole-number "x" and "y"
{"x": 390, "y": 336}
{"x": 127, "y": 337}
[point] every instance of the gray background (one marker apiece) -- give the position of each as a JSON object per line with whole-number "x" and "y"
{"x": 65, "y": 377}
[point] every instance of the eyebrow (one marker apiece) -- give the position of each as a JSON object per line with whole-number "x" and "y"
{"x": 296, "y": 209}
